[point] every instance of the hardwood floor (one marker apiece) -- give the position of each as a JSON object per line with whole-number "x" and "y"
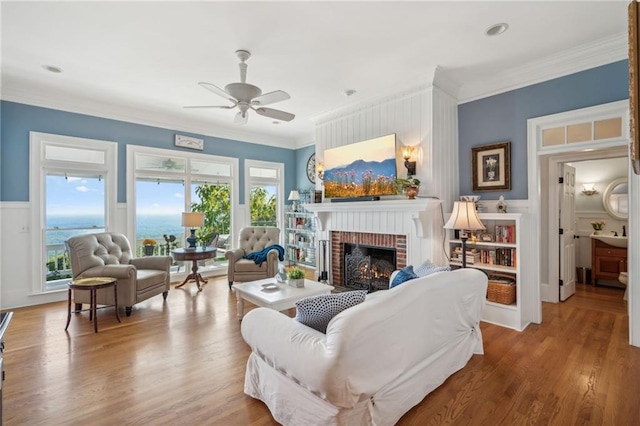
{"x": 183, "y": 361}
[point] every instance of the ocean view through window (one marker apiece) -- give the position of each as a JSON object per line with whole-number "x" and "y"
{"x": 83, "y": 195}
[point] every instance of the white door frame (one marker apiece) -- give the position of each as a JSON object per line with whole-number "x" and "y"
{"x": 541, "y": 173}
{"x": 550, "y": 288}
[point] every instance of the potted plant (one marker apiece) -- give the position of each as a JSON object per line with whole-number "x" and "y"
{"x": 296, "y": 277}
{"x": 410, "y": 186}
{"x": 598, "y": 225}
{"x": 148, "y": 246}
{"x": 205, "y": 237}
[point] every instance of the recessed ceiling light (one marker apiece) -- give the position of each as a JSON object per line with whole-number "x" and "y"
{"x": 349, "y": 92}
{"x": 496, "y": 29}
{"x": 52, "y": 68}
{"x": 275, "y": 122}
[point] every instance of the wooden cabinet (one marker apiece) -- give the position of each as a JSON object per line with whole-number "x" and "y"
{"x": 607, "y": 261}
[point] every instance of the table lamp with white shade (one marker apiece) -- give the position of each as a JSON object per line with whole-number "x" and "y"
{"x": 192, "y": 220}
{"x": 464, "y": 217}
{"x": 294, "y": 196}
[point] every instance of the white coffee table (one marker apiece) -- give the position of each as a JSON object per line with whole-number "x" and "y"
{"x": 280, "y": 298}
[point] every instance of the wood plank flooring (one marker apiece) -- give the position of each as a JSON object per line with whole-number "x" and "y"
{"x": 182, "y": 363}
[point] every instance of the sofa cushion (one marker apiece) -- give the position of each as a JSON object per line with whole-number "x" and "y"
{"x": 317, "y": 311}
{"x": 422, "y": 270}
{"x": 405, "y": 274}
{"x": 427, "y": 269}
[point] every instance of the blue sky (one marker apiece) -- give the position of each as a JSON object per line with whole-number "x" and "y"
{"x": 159, "y": 199}
{"x": 74, "y": 196}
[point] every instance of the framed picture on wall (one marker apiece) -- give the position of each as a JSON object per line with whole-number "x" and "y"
{"x": 491, "y": 167}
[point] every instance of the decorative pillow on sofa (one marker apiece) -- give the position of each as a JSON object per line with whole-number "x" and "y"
{"x": 427, "y": 268}
{"x": 405, "y": 274}
{"x": 317, "y": 311}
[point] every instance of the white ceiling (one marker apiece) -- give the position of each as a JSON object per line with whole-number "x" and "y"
{"x": 141, "y": 61}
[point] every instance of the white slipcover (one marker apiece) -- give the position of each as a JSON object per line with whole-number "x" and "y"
{"x": 377, "y": 360}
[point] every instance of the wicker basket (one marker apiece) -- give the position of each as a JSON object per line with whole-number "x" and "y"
{"x": 501, "y": 289}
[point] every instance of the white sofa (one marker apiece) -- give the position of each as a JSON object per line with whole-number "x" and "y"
{"x": 377, "y": 360}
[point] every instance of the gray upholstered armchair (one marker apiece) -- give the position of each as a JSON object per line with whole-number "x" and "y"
{"x": 250, "y": 240}
{"x": 108, "y": 254}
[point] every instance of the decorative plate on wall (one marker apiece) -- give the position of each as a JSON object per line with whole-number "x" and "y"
{"x": 311, "y": 168}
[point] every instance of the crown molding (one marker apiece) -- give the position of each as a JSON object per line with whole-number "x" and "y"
{"x": 434, "y": 77}
{"x": 78, "y": 105}
{"x": 602, "y": 52}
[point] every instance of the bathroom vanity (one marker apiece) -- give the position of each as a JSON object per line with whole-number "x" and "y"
{"x": 607, "y": 261}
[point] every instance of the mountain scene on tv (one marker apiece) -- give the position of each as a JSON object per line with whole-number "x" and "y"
{"x": 361, "y": 178}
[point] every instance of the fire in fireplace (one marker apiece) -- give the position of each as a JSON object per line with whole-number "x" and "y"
{"x": 368, "y": 267}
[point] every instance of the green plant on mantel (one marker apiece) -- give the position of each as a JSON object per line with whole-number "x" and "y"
{"x": 407, "y": 183}
{"x": 410, "y": 186}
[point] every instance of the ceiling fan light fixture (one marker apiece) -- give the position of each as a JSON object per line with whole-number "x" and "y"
{"x": 245, "y": 96}
{"x": 496, "y": 29}
{"x": 243, "y": 91}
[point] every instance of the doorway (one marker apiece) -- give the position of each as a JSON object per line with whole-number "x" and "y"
{"x": 593, "y": 169}
{"x": 551, "y": 141}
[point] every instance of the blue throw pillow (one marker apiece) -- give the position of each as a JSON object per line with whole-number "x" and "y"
{"x": 405, "y": 274}
{"x": 317, "y": 311}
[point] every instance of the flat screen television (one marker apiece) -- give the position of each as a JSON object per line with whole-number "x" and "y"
{"x": 361, "y": 169}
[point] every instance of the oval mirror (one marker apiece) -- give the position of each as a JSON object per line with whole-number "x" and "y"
{"x": 616, "y": 199}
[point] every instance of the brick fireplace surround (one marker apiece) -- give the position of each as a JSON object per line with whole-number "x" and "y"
{"x": 412, "y": 227}
{"x": 397, "y": 242}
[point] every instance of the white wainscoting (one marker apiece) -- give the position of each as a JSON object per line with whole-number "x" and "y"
{"x": 16, "y": 275}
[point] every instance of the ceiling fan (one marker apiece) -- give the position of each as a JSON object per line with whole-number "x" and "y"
{"x": 246, "y": 96}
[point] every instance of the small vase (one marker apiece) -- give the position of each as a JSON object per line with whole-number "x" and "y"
{"x": 411, "y": 192}
{"x": 148, "y": 250}
{"x": 597, "y": 232}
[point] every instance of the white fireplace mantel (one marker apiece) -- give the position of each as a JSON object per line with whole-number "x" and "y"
{"x": 418, "y": 208}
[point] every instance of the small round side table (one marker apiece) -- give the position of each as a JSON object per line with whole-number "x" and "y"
{"x": 93, "y": 284}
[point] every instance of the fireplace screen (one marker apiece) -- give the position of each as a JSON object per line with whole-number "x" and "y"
{"x": 367, "y": 267}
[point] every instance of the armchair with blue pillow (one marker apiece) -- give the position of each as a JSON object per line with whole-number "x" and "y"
{"x": 256, "y": 256}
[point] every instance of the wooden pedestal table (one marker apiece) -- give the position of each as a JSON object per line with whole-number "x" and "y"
{"x": 93, "y": 284}
{"x": 194, "y": 255}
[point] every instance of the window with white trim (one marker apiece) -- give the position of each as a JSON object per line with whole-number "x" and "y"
{"x": 73, "y": 191}
{"x": 264, "y": 187}
{"x": 165, "y": 183}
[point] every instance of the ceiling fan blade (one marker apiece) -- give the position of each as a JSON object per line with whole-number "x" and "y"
{"x": 210, "y": 106}
{"x": 274, "y": 113}
{"x": 241, "y": 118}
{"x": 271, "y": 98}
{"x": 218, "y": 91}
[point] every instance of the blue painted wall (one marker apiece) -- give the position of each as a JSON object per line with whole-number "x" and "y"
{"x": 302, "y": 156}
{"x": 504, "y": 117}
{"x": 19, "y": 119}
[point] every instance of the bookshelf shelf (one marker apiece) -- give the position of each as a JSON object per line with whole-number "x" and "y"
{"x": 499, "y": 256}
{"x": 300, "y": 237}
